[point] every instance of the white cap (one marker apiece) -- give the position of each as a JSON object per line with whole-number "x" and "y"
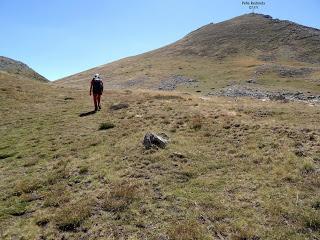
{"x": 96, "y": 75}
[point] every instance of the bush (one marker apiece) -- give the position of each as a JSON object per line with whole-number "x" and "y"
{"x": 105, "y": 126}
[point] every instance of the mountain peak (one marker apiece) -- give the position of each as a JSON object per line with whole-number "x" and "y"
{"x": 248, "y": 34}
{"x": 19, "y": 69}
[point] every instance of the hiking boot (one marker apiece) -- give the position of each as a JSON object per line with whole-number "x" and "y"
{"x": 95, "y": 109}
{"x": 99, "y": 107}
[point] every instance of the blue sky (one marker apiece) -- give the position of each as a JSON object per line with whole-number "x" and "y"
{"x": 62, "y": 37}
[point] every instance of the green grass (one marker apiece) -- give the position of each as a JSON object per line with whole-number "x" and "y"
{"x": 230, "y": 169}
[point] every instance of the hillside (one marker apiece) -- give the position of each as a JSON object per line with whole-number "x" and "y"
{"x": 19, "y": 69}
{"x": 233, "y": 168}
{"x": 251, "y": 50}
{"x": 250, "y": 34}
{"x": 240, "y": 169}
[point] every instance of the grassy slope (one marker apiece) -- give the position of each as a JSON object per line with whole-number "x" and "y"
{"x": 148, "y": 72}
{"x": 249, "y": 169}
{"x": 221, "y": 54}
{"x": 19, "y": 69}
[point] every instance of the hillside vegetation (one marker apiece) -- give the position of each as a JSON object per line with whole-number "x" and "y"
{"x": 233, "y": 169}
{"x": 269, "y": 53}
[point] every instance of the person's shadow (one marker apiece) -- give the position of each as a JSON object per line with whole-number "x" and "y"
{"x": 87, "y": 113}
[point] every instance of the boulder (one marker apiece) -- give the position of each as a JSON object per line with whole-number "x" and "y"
{"x": 153, "y": 140}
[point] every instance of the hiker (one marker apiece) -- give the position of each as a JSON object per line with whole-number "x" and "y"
{"x": 96, "y": 88}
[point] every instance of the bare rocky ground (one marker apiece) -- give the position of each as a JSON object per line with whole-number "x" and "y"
{"x": 169, "y": 83}
{"x": 254, "y": 90}
{"x": 284, "y": 71}
{"x": 258, "y": 93}
{"x": 174, "y": 81}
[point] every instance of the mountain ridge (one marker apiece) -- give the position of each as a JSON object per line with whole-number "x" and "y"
{"x": 250, "y": 26}
{"x": 19, "y": 69}
{"x": 222, "y": 54}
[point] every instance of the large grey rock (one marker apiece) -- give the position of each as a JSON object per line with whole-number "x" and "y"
{"x": 152, "y": 140}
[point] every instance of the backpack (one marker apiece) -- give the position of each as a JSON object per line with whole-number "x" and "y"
{"x": 97, "y": 85}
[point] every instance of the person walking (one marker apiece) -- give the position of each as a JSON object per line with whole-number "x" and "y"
{"x": 96, "y": 89}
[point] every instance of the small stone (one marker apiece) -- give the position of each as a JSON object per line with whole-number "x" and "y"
{"x": 251, "y": 81}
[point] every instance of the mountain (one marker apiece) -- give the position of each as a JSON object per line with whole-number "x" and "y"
{"x": 21, "y": 86}
{"x": 243, "y": 169}
{"x": 19, "y": 69}
{"x": 271, "y": 53}
{"x": 251, "y": 34}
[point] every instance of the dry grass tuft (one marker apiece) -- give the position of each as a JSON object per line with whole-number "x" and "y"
{"x": 70, "y": 216}
{"x": 58, "y": 173}
{"x": 307, "y": 167}
{"x": 27, "y": 185}
{"x": 186, "y": 230}
{"x": 56, "y": 197}
{"x": 119, "y": 197}
{"x": 196, "y": 123}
